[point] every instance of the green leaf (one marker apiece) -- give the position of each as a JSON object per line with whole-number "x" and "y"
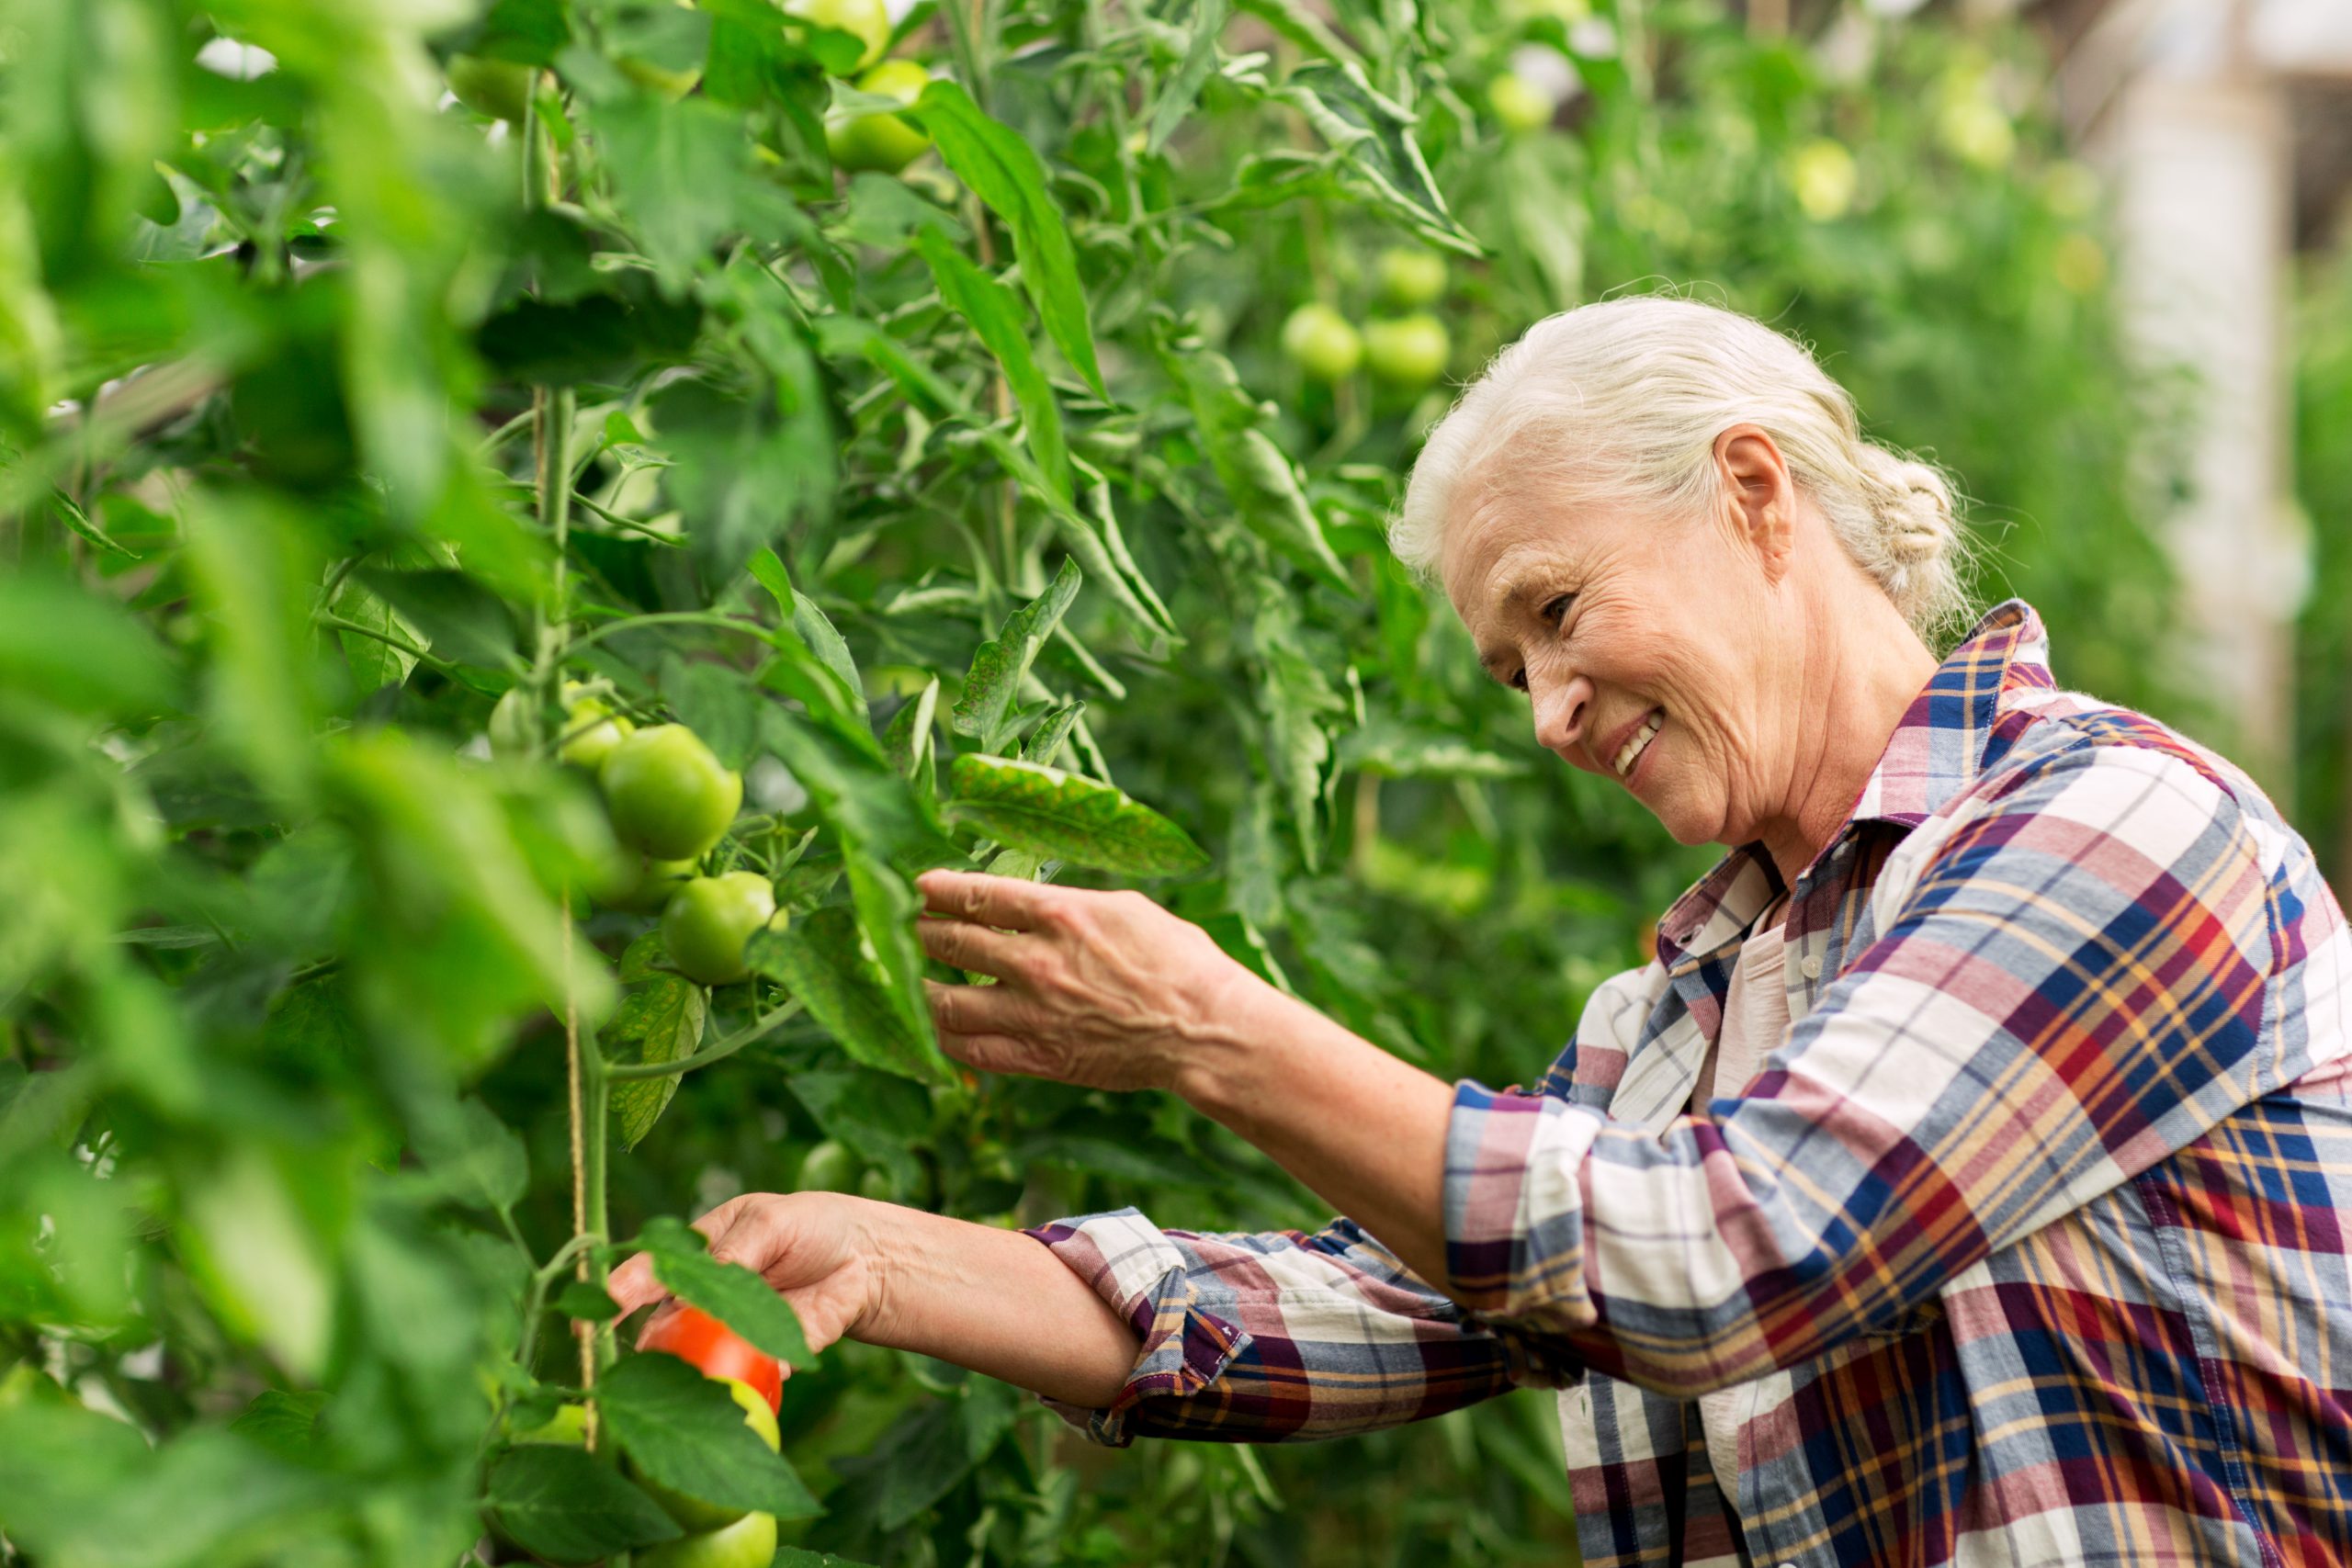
{"x": 686, "y": 1431}
{"x": 1393, "y": 750}
{"x": 375, "y": 662}
{"x": 1003, "y": 171}
{"x": 907, "y": 744}
{"x": 69, "y": 512}
{"x": 1381, "y": 161}
{"x": 661, "y": 1018}
{"x": 1178, "y": 93}
{"x": 1045, "y": 741}
{"x": 76, "y": 649}
{"x": 728, "y": 1291}
{"x": 1296, "y": 701}
{"x": 283, "y": 1422}
{"x": 462, "y": 620}
{"x": 826, "y": 964}
{"x": 716, "y": 701}
{"x": 1259, "y": 479}
{"x": 1068, "y": 815}
{"x": 993, "y": 685}
{"x": 478, "y": 1157}
{"x": 994, "y": 313}
{"x": 563, "y": 1504}
{"x": 881, "y": 1117}
{"x": 583, "y": 1301}
{"x": 801, "y": 1557}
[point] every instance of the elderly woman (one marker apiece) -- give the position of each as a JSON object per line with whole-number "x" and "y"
{"x": 1964, "y": 1182}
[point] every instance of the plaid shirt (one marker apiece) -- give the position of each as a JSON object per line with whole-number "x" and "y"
{"x": 2028, "y": 1247}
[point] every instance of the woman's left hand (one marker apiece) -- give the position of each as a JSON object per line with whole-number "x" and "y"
{"x": 1105, "y": 989}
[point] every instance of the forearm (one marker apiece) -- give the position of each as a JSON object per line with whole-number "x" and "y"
{"x": 1363, "y": 1130}
{"x": 995, "y": 1302}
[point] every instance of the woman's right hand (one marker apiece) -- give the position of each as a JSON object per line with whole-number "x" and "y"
{"x": 815, "y": 1248}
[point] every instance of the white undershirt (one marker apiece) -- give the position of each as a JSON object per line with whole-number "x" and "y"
{"x": 1755, "y": 1019}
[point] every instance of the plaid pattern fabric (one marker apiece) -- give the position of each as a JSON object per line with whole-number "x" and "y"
{"x": 2027, "y": 1247}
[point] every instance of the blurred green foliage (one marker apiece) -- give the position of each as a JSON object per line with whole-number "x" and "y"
{"x": 336, "y": 411}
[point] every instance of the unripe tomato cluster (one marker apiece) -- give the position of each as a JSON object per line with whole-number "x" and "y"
{"x": 501, "y": 89}
{"x": 1407, "y": 350}
{"x": 670, "y": 801}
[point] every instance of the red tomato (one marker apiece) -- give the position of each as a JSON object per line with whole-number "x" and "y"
{"x": 701, "y": 1340}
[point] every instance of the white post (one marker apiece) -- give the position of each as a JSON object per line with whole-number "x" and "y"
{"x": 2198, "y": 141}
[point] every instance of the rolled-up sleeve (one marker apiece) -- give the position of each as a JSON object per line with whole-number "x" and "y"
{"x": 2073, "y": 988}
{"x": 1276, "y": 1336}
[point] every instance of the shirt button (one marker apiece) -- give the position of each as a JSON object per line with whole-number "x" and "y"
{"x": 1812, "y": 966}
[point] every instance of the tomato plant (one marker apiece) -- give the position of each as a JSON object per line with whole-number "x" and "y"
{"x": 468, "y": 471}
{"x": 715, "y": 1351}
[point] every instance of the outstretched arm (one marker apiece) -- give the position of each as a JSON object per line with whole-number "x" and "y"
{"x": 1112, "y": 991}
{"x": 990, "y": 1300}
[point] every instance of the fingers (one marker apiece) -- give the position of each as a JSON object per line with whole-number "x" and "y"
{"x": 969, "y": 946}
{"x": 974, "y": 1010}
{"x": 1009, "y": 903}
{"x": 989, "y": 1053}
{"x": 632, "y": 1285}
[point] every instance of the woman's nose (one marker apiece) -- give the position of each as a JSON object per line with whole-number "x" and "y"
{"x": 1560, "y": 710}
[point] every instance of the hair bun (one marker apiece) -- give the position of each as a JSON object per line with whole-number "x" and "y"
{"x": 1913, "y": 505}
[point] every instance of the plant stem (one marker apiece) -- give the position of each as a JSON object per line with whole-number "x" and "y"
{"x": 756, "y": 1030}
{"x": 673, "y": 618}
{"x": 402, "y": 644}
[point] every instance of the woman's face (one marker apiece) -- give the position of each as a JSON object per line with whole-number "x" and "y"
{"x": 1654, "y": 653}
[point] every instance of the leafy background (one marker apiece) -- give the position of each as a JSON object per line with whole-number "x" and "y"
{"x": 333, "y": 412}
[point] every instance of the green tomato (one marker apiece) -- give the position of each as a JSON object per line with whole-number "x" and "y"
{"x": 1411, "y": 277}
{"x": 694, "y": 1514}
{"x": 498, "y": 88}
{"x": 710, "y": 918}
{"x": 1518, "y": 103}
{"x": 590, "y": 730}
{"x": 668, "y": 796}
{"x": 513, "y": 724}
{"x": 1322, "y": 341}
{"x": 645, "y": 885}
{"x": 828, "y": 1168}
{"x": 749, "y": 1542}
{"x": 1409, "y": 351}
{"x": 883, "y": 142}
{"x": 866, "y": 19}
{"x": 568, "y": 1427}
{"x": 667, "y": 58}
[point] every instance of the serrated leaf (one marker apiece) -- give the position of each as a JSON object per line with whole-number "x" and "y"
{"x": 582, "y": 1300}
{"x": 686, "y": 1431}
{"x": 283, "y": 1422}
{"x": 562, "y": 1504}
{"x": 823, "y": 963}
{"x": 1070, "y": 817}
{"x": 1178, "y": 93}
{"x": 995, "y": 315}
{"x": 375, "y": 664}
{"x": 69, "y": 512}
{"x": 478, "y": 1157}
{"x": 1380, "y": 158}
{"x": 993, "y": 686}
{"x": 1045, "y": 741}
{"x": 661, "y": 1018}
{"x": 728, "y": 1291}
{"x": 908, "y": 743}
{"x": 1003, "y": 171}
{"x": 1259, "y": 479}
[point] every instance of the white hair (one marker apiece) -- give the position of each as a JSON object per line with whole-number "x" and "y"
{"x": 1622, "y": 401}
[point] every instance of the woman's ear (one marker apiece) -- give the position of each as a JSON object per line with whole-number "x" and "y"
{"x": 1760, "y": 498}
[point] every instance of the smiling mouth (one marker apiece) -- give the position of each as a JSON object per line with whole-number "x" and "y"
{"x": 1631, "y": 752}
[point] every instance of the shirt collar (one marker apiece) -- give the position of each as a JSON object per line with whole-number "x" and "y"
{"x": 1943, "y": 742}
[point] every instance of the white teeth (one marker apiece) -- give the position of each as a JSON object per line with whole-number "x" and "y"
{"x": 1632, "y": 751}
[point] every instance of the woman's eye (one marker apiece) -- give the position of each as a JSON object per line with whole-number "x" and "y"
{"x": 1555, "y": 610}
{"x": 1519, "y": 681}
